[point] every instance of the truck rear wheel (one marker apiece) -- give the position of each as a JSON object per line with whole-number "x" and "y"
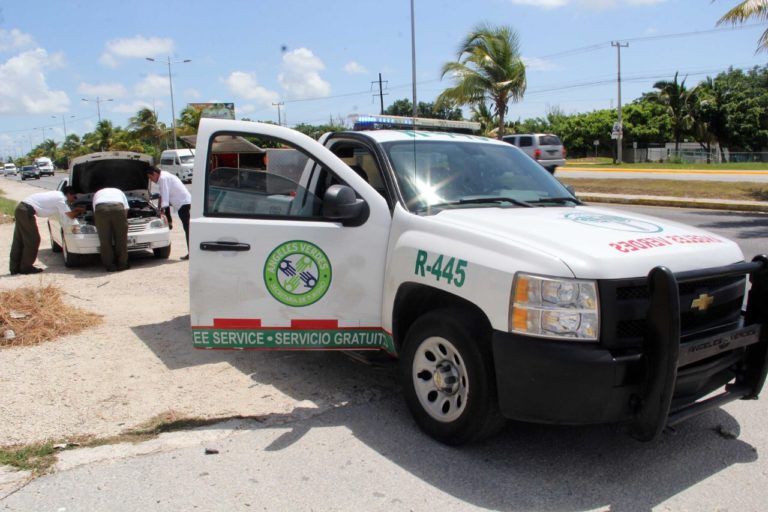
{"x": 448, "y": 378}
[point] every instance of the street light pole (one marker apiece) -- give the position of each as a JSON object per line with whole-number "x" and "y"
{"x": 170, "y": 83}
{"x": 64, "y": 122}
{"x": 98, "y": 102}
{"x": 413, "y": 60}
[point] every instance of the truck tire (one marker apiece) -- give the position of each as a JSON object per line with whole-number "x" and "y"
{"x": 448, "y": 378}
{"x": 71, "y": 260}
{"x": 162, "y": 253}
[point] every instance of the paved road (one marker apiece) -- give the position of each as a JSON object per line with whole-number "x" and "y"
{"x": 724, "y": 175}
{"x": 372, "y": 457}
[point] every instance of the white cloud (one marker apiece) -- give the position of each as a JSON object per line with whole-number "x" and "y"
{"x": 301, "y": 75}
{"x": 354, "y": 68}
{"x": 245, "y": 85}
{"x": 537, "y": 64}
{"x": 192, "y": 94}
{"x": 152, "y": 85}
{"x": 133, "y": 107}
{"x": 115, "y": 90}
{"x": 23, "y": 87}
{"x": 14, "y": 39}
{"x": 137, "y": 47}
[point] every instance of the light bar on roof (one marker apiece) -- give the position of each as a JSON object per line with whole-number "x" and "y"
{"x": 381, "y": 122}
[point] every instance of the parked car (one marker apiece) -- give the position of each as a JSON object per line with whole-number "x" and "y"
{"x": 178, "y": 162}
{"x": 30, "y": 172}
{"x": 45, "y": 165}
{"x": 9, "y": 170}
{"x": 147, "y": 228}
{"x": 545, "y": 148}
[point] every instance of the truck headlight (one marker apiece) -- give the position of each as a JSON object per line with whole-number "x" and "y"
{"x": 158, "y": 223}
{"x": 83, "y": 229}
{"x": 554, "y": 308}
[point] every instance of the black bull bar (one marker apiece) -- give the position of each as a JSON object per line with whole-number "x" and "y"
{"x": 663, "y": 353}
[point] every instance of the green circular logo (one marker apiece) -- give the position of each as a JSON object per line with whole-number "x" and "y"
{"x": 297, "y": 273}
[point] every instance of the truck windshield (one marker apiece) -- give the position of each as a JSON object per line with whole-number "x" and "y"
{"x": 187, "y": 159}
{"x": 445, "y": 174}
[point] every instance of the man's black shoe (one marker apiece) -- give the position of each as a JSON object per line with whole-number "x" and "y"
{"x": 33, "y": 270}
{"x": 185, "y": 258}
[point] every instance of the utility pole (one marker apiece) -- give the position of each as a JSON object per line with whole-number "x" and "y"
{"x": 413, "y": 60}
{"x": 279, "y": 116}
{"x": 619, "y": 140}
{"x": 381, "y": 92}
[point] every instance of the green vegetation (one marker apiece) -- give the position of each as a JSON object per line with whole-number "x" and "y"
{"x": 7, "y": 208}
{"x": 730, "y": 109}
{"x": 741, "y": 190}
{"x": 749, "y": 10}
{"x": 607, "y": 163}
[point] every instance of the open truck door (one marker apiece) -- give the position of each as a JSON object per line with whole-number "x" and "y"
{"x": 283, "y": 257}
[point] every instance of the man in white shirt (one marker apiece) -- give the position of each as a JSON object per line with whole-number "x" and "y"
{"x": 110, "y": 214}
{"x": 26, "y": 236}
{"x": 172, "y": 193}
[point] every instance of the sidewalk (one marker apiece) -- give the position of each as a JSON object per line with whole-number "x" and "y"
{"x": 679, "y": 202}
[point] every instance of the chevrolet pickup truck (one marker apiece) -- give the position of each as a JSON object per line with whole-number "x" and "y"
{"x": 502, "y": 295}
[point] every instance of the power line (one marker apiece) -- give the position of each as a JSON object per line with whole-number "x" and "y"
{"x": 598, "y": 46}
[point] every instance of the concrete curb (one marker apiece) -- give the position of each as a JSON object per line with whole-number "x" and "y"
{"x": 709, "y": 204}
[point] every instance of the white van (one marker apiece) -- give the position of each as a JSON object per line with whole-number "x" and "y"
{"x": 178, "y": 162}
{"x": 45, "y": 165}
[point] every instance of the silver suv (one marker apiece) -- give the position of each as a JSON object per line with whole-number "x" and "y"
{"x": 545, "y": 148}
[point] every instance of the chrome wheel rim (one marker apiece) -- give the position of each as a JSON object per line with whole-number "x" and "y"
{"x": 440, "y": 379}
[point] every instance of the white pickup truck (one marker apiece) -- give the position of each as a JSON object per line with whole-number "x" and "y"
{"x": 501, "y": 293}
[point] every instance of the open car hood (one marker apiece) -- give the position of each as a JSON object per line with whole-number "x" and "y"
{"x": 116, "y": 169}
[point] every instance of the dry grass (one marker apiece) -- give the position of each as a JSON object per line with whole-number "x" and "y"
{"x": 37, "y": 315}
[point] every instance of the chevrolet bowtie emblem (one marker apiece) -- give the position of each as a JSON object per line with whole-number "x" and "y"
{"x": 703, "y": 302}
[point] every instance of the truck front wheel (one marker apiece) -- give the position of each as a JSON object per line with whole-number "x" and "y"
{"x": 448, "y": 379}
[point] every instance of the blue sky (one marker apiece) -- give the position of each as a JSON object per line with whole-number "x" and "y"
{"x": 319, "y": 58}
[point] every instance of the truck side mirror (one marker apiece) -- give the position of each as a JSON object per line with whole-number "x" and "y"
{"x": 341, "y": 203}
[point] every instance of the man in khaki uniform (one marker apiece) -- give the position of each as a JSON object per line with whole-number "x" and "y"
{"x": 110, "y": 214}
{"x": 26, "y": 236}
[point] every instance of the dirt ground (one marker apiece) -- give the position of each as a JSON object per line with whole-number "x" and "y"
{"x": 140, "y": 361}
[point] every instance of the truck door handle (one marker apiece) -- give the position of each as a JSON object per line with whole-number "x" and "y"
{"x": 224, "y": 246}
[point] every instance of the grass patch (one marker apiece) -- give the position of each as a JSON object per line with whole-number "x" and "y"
{"x": 39, "y": 458}
{"x": 7, "y": 207}
{"x": 737, "y": 190}
{"x": 36, "y": 315}
{"x": 741, "y": 166}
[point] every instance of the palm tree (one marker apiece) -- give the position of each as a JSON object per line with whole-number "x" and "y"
{"x": 103, "y": 135}
{"x": 488, "y": 66}
{"x": 489, "y": 123}
{"x": 749, "y": 9}
{"x": 146, "y": 127}
{"x": 676, "y": 98}
{"x": 712, "y": 97}
{"x": 189, "y": 121}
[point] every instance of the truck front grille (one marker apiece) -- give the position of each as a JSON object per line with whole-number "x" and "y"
{"x": 624, "y": 306}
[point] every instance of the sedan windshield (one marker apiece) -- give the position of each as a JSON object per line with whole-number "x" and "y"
{"x": 460, "y": 174}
